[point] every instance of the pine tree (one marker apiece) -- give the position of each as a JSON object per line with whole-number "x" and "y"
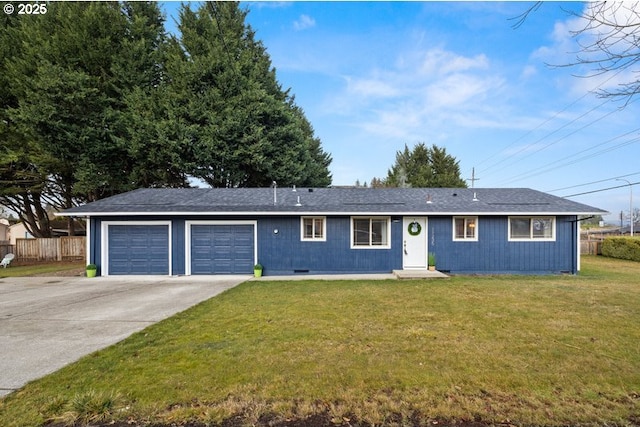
{"x": 424, "y": 167}
{"x": 79, "y": 122}
{"x": 244, "y": 129}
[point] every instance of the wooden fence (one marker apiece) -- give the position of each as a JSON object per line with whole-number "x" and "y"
{"x": 6, "y": 248}
{"x": 591, "y": 247}
{"x": 55, "y": 249}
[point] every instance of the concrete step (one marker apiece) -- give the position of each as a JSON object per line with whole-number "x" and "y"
{"x": 419, "y": 274}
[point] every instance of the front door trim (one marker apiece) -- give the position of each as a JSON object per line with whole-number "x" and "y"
{"x": 414, "y": 246}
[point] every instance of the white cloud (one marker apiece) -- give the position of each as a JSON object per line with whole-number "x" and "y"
{"x": 304, "y": 22}
{"x": 418, "y": 92}
{"x": 441, "y": 62}
{"x": 457, "y": 90}
{"x": 269, "y": 4}
{"x": 528, "y": 71}
{"x": 371, "y": 87}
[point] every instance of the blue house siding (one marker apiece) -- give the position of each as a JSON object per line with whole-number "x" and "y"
{"x": 283, "y": 252}
{"x": 494, "y": 253}
{"x": 178, "y": 242}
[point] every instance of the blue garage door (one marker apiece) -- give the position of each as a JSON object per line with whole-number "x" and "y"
{"x": 222, "y": 249}
{"x": 139, "y": 249}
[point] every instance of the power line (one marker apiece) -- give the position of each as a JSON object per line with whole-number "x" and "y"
{"x": 573, "y": 159}
{"x": 527, "y": 147}
{"x": 591, "y": 183}
{"x": 601, "y": 190}
{"x": 532, "y": 130}
{"x": 545, "y": 122}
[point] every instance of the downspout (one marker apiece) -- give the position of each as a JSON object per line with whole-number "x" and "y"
{"x": 87, "y": 244}
{"x": 576, "y": 235}
{"x": 578, "y": 249}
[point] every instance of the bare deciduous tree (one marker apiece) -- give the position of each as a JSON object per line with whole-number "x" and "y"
{"x": 609, "y": 42}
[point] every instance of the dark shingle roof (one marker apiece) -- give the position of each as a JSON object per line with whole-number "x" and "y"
{"x": 431, "y": 201}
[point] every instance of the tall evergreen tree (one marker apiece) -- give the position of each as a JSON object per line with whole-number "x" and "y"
{"x": 79, "y": 118}
{"x": 424, "y": 167}
{"x": 96, "y": 99}
{"x": 61, "y": 88}
{"x": 244, "y": 129}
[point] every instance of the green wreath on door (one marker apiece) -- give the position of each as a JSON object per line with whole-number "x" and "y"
{"x": 414, "y": 228}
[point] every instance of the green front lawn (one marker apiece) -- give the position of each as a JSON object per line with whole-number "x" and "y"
{"x": 38, "y": 269}
{"x": 554, "y": 351}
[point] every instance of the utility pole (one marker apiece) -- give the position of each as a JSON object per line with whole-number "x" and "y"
{"x": 630, "y": 205}
{"x": 473, "y": 178}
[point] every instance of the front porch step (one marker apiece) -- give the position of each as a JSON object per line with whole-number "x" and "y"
{"x": 419, "y": 274}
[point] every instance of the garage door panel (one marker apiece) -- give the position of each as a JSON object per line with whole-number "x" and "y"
{"x": 138, "y": 249}
{"x": 222, "y": 249}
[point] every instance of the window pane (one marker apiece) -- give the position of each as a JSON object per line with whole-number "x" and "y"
{"x": 459, "y": 228}
{"x": 471, "y": 228}
{"x": 542, "y": 228}
{"x": 361, "y": 232}
{"x": 520, "y": 228}
{"x": 319, "y": 230}
{"x": 308, "y": 228}
{"x": 378, "y": 232}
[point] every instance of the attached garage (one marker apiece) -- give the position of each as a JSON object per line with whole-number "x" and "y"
{"x": 137, "y": 249}
{"x": 221, "y": 247}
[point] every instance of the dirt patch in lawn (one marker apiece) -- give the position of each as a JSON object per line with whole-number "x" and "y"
{"x": 319, "y": 420}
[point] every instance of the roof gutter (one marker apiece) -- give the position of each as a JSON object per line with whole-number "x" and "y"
{"x": 324, "y": 213}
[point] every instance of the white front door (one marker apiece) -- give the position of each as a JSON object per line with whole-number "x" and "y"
{"x": 414, "y": 242}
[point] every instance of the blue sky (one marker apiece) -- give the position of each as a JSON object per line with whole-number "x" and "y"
{"x": 374, "y": 76}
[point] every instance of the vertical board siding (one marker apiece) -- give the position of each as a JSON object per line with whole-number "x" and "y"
{"x": 284, "y": 252}
{"x": 178, "y": 242}
{"x": 95, "y": 244}
{"x": 494, "y": 253}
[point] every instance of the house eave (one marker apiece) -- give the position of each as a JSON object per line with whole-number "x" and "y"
{"x": 326, "y": 213}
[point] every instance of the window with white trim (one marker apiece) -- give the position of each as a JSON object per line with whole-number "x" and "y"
{"x": 312, "y": 228}
{"x": 370, "y": 232}
{"x": 539, "y": 228}
{"x": 465, "y": 228}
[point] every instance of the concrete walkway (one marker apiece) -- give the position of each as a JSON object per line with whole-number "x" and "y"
{"x": 49, "y": 322}
{"x": 372, "y": 276}
{"x": 396, "y": 274}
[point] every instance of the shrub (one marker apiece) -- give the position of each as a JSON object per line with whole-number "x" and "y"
{"x": 622, "y": 248}
{"x": 89, "y": 407}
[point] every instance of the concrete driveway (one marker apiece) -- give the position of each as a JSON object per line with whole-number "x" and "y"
{"x": 49, "y": 322}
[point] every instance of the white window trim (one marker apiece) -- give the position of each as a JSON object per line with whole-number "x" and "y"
{"x": 531, "y": 238}
{"x": 464, "y": 239}
{"x": 387, "y": 246}
{"x": 187, "y": 238}
{"x": 313, "y": 239}
{"x": 104, "y": 241}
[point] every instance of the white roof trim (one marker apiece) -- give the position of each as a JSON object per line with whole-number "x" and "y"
{"x": 327, "y": 213}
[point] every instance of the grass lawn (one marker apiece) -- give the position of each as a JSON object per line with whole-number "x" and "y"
{"x": 553, "y": 351}
{"x": 29, "y": 270}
